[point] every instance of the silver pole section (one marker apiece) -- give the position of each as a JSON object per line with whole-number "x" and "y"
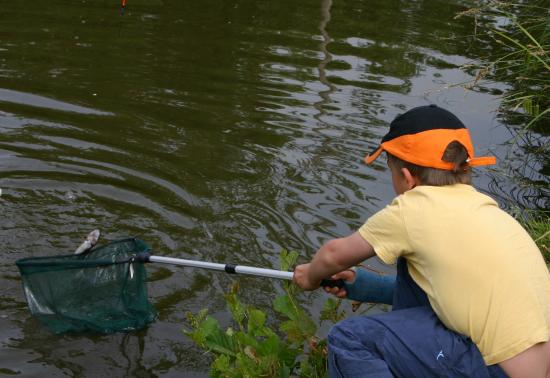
{"x": 272, "y": 273}
{"x": 264, "y": 272}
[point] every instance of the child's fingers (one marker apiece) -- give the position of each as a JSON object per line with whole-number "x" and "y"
{"x": 346, "y": 275}
{"x": 339, "y": 292}
{"x": 342, "y": 294}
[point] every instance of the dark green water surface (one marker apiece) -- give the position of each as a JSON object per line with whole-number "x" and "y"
{"x": 215, "y": 130}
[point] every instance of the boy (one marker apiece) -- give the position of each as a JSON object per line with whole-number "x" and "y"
{"x": 472, "y": 292}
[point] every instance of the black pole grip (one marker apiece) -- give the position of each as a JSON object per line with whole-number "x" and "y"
{"x": 142, "y": 257}
{"x": 332, "y": 283}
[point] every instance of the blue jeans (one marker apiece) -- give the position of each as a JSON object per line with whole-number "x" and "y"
{"x": 409, "y": 341}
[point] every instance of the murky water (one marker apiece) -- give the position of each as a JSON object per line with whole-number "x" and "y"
{"x": 215, "y": 130}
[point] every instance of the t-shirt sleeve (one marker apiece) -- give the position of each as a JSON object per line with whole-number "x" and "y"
{"x": 387, "y": 234}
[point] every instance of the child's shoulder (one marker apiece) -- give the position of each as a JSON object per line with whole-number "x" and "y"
{"x": 455, "y": 190}
{"x": 424, "y": 197}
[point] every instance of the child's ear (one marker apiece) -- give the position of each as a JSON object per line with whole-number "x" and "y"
{"x": 411, "y": 180}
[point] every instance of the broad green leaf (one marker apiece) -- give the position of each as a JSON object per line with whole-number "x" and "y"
{"x": 270, "y": 345}
{"x": 220, "y": 346}
{"x": 298, "y": 330}
{"x": 284, "y": 305}
{"x": 215, "y": 339}
{"x": 203, "y": 330}
{"x": 248, "y": 367}
{"x": 287, "y": 260}
{"x": 221, "y": 364}
{"x": 331, "y": 311}
{"x": 256, "y": 318}
{"x": 274, "y": 347}
{"x": 284, "y": 372}
{"x": 238, "y": 311}
{"x": 292, "y": 330}
{"x": 244, "y": 339}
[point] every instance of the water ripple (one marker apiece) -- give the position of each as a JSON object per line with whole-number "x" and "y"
{"x": 17, "y": 97}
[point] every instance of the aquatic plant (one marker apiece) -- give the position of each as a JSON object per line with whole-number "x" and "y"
{"x": 513, "y": 40}
{"x": 538, "y": 226}
{"x": 520, "y": 58}
{"x": 251, "y": 348}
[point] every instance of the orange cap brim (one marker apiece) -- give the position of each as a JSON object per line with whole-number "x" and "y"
{"x": 372, "y": 157}
{"x": 426, "y": 148}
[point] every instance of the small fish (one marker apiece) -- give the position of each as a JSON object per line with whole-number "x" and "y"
{"x": 90, "y": 241}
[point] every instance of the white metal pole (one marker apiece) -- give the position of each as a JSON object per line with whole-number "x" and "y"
{"x": 241, "y": 269}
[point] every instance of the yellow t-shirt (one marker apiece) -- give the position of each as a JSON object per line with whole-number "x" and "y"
{"x": 483, "y": 274}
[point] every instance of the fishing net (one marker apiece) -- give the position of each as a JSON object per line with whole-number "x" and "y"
{"x": 103, "y": 290}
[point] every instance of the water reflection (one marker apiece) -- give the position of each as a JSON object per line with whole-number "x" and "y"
{"x": 522, "y": 180}
{"x": 327, "y": 58}
{"x": 29, "y": 99}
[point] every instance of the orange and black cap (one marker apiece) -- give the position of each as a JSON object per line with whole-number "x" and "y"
{"x": 421, "y": 135}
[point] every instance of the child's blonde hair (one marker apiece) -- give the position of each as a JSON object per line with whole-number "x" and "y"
{"x": 455, "y": 153}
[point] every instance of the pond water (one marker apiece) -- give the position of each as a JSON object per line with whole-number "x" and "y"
{"x": 221, "y": 131}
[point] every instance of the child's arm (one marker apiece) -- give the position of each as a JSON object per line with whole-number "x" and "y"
{"x": 369, "y": 286}
{"x": 333, "y": 257}
{"x": 364, "y": 285}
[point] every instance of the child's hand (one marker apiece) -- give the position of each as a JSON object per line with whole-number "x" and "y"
{"x": 346, "y": 275}
{"x": 301, "y": 277}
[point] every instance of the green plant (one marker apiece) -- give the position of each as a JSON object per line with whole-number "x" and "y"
{"x": 521, "y": 57}
{"x": 513, "y": 48}
{"x": 252, "y": 349}
{"x": 538, "y": 226}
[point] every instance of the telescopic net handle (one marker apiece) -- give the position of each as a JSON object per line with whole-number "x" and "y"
{"x": 232, "y": 269}
{"x": 333, "y": 283}
{"x": 228, "y": 268}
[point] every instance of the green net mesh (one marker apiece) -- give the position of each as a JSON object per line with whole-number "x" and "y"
{"x": 102, "y": 290}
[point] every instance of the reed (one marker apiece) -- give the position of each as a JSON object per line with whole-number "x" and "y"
{"x": 538, "y": 226}
{"x": 520, "y": 57}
